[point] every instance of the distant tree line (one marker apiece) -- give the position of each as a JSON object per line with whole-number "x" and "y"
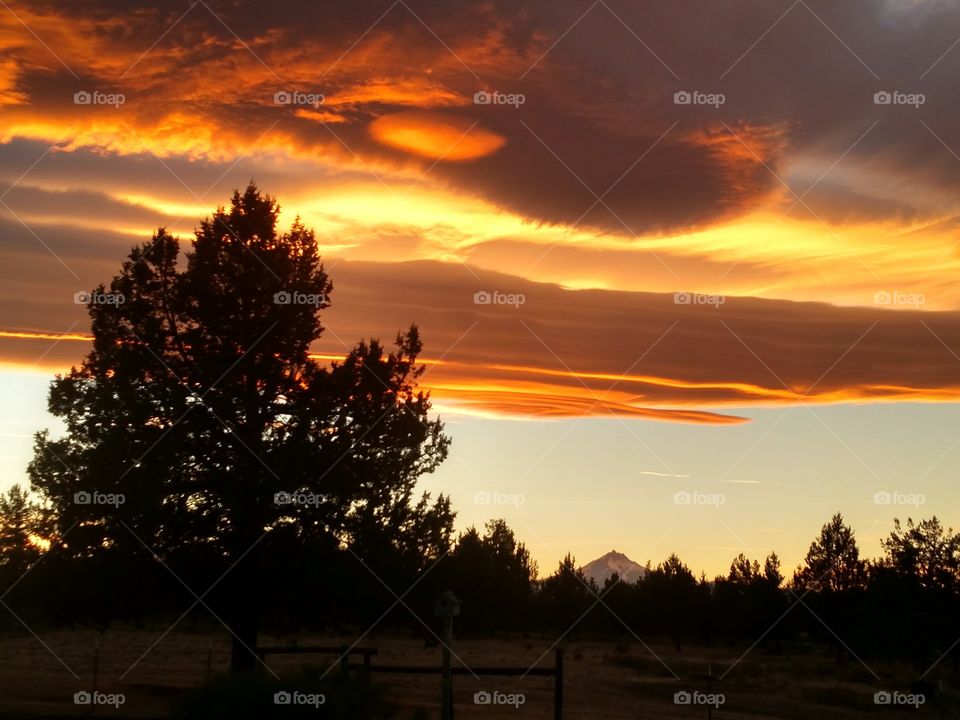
{"x": 904, "y": 605}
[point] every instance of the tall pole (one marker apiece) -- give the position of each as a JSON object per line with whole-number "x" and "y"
{"x": 446, "y": 700}
{"x": 447, "y": 607}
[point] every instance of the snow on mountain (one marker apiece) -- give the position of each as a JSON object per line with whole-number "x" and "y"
{"x": 613, "y": 562}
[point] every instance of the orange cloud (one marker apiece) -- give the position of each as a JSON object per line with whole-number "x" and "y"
{"x": 206, "y": 91}
{"x": 566, "y": 353}
{"x": 320, "y": 116}
{"x": 592, "y": 183}
{"x": 31, "y": 335}
{"x": 440, "y": 137}
{"x": 414, "y": 92}
{"x": 9, "y": 95}
{"x": 526, "y": 402}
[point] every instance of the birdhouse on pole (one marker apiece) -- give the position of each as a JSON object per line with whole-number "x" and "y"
{"x": 447, "y": 605}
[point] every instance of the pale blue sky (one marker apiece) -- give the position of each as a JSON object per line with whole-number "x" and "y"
{"x": 593, "y": 485}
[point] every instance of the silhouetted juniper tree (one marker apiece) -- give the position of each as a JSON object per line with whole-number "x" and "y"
{"x": 200, "y": 426}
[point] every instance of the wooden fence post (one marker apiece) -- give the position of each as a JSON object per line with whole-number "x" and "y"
{"x": 709, "y": 690}
{"x": 96, "y": 664}
{"x": 446, "y": 607}
{"x": 558, "y": 686}
{"x": 210, "y": 660}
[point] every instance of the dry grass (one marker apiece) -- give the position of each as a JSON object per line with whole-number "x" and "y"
{"x": 615, "y": 681}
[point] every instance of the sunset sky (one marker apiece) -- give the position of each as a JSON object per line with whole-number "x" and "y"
{"x": 750, "y": 296}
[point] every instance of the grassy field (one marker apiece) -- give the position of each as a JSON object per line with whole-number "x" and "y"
{"x": 614, "y": 680}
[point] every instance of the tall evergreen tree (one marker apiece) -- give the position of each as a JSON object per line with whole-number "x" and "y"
{"x": 201, "y": 407}
{"x": 833, "y": 561}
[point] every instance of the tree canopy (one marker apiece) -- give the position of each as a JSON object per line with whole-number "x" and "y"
{"x": 200, "y": 426}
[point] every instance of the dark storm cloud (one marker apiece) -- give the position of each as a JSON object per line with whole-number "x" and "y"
{"x": 558, "y": 352}
{"x": 798, "y": 80}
